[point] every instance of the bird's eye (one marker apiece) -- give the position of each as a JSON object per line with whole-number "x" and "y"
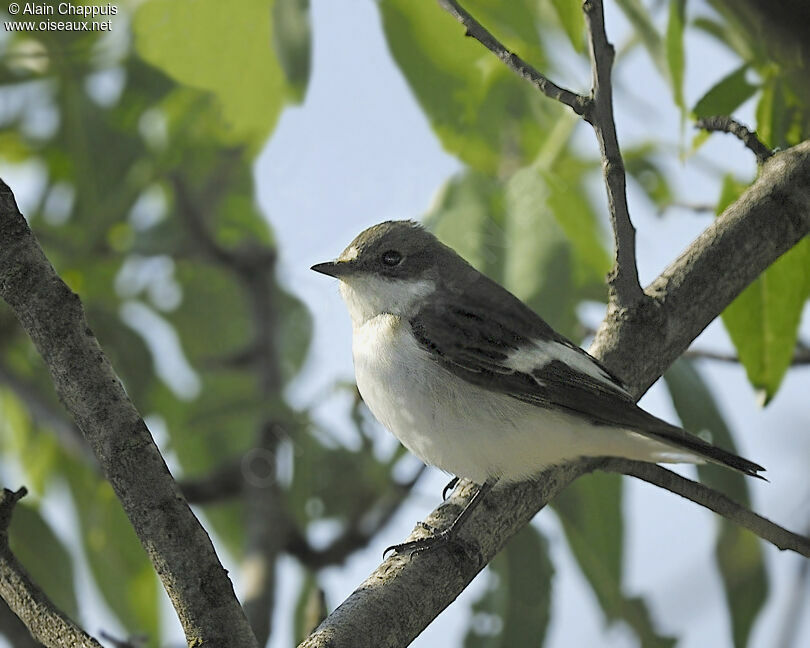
{"x": 391, "y": 258}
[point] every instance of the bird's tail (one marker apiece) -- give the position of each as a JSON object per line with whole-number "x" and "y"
{"x": 682, "y": 443}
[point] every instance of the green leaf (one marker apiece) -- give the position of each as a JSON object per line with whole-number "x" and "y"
{"x": 310, "y": 609}
{"x": 117, "y": 560}
{"x": 676, "y": 60}
{"x": 780, "y": 114}
{"x": 739, "y": 555}
{"x": 468, "y": 216}
{"x": 728, "y": 94}
{"x": 572, "y": 19}
{"x": 222, "y": 49}
{"x": 293, "y": 43}
{"x": 726, "y": 34}
{"x": 637, "y": 14}
{"x": 44, "y": 556}
{"x": 642, "y": 165}
{"x": 538, "y": 260}
{"x": 590, "y": 513}
{"x": 763, "y": 321}
{"x": 480, "y": 110}
{"x": 516, "y": 609}
{"x": 536, "y": 233}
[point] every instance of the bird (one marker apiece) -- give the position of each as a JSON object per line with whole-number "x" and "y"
{"x": 471, "y": 380}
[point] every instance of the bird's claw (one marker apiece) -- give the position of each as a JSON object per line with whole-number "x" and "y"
{"x": 413, "y": 547}
{"x": 450, "y": 486}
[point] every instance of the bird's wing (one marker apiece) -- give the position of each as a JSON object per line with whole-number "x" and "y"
{"x": 493, "y": 340}
{"x": 495, "y": 350}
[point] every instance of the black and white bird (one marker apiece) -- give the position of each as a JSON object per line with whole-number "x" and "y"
{"x": 471, "y": 380}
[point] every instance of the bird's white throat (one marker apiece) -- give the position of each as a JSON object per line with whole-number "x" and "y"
{"x": 368, "y": 296}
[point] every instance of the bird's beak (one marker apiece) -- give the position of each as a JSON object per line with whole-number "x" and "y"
{"x": 335, "y": 269}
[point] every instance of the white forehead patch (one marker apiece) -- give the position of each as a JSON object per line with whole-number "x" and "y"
{"x": 349, "y": 254}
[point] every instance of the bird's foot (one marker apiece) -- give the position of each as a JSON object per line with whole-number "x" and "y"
{"x": 437, "y": 539}
{"x": 450, "y": 486}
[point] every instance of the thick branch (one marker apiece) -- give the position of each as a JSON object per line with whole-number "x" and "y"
{"x": 578, "y": 103}
{"x": 46, "y": 623}
{"x": 712, "y": 500}
{"x": 625, "y": 289}
{"x": 768, "y": 219}
{"x": 176, "y": 543}
{"x": 404, "y": 595}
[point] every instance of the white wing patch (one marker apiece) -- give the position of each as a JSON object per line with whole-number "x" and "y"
{"x": 543, "y": 352}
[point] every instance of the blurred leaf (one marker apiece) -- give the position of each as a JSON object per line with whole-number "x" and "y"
{"x": 590, "y": 513}
{"x": 725, "y": 34}
{"x": 310, "y": 609}
{"x": 538, "y": 266}
{"x": 37, "y": 451}
{"x": 572, "y": 19}
{"x": 44, "y": 556}
{"x": 568, "y": 200}
{"x": 637, "y": 14}
{"x": 676, "y": 60}
{"x": 224, "y": 50}
{"x": 294, "y": 334}
{"x": 293, "y": 42}
{"x": 728, "y": 94}
{"x": 739, "y": 555}
{"x": 117, "y": 560}
{"x": 780, "y": 115}
{"x": 320, "y": 489}
{"x": 763, "y": 321}
{"x": 537, "y": 234}
{"x": 480, "y": 110}
{"x": 468, "y": 216}
{"x": 516, "y": 609}
{"x": 642, "y": 166}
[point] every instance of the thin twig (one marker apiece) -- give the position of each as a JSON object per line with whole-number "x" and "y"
{"x": 712, "y": 500}
{"x": 356, "y": 535}
{"x": 624, "y": 283}
{"x": 46, "y": 623}
{"x": 578, "y": 103}
{"x": 625, "y": 289}
{"x": 800, "y": 358}
{"x": 726, "y": 124}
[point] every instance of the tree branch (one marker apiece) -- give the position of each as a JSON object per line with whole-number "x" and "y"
{"x": 712, "y": 500}
{"x": 175, "y": 542}
{"x": 725, "y": 124}
{"x": 580, "y": 104}
{"x": 625, "y": 289}
{"x": 46, "y": 623}
{"x": 800, "y": 358}
{"x": 765, "y": 222}
{"x": 597, "y": 110}
{"x": 404, "y": 595}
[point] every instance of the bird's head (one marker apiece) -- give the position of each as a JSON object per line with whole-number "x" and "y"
{"x": 389, "y": 268}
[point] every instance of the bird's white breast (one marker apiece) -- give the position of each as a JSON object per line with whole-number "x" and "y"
{"x": 464, "y": 429}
